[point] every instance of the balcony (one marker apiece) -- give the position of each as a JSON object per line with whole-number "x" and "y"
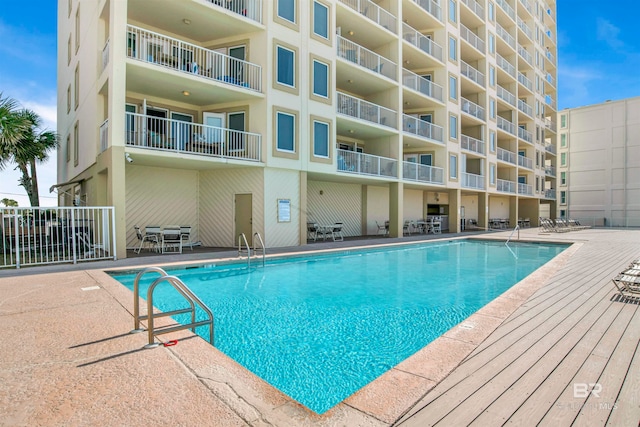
{"x": 525, "y": 189}
{"x": 505, "y": 186}
{"x": 550, "y": 148}
{"x": 506, "y": 156}
{"x": 504, "y": 35}
{"x": 104, "y": 135}
{"x": 550, "y": 194}
{"x": 471, "y": 73}
{"x": 431, "y": 7}
{"x": 365, "y": 58}
{"x": 422, "y": 129}
{"x": 551, "y": 125}
{"x": 525, "y": 81}
{"x": 470, "y": 180}
{"x": 525, "y": 55}
{"x": 506, "y": 65}
{"x": 472, "y": 109}
{"x": 422, "y": 42}
{"x": 475, "y": 7}
{"x": 551, "y": 80}
{"x": 550, "y": 57}
{"x": 525, "y": 29}
{"x": 550, "y": 171}
{"x": 506, "y": 126}
{"x": 527, "y": 6}
{"x": 525, "y": 135}
{"x": 105, "y": 55}
{"x": 251, "y": 9}
{"x": 508, "y": 9}
{"x": 373, "y": 12}
{"x": 548, "y": 99}
{"x": 187, "y": 58}
{"x": 422, "y": 173}
{"x": 525, "y": 162}
{"x": 549, "y": 34}
{"x": 155, "y": 133}
{"x": 505, "y": 95}
{"x": 472, "y": 144}
{"x": 363, "y": 110}
{"x": 525, "y": 108}
{"x": 472, "y": 38}
{"x": 422, "y": 85}
{"x": 366, "y": 164}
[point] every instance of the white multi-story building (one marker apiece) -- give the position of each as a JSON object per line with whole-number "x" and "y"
{"x": 243, "y": 116}
{"x": 599, "y": 163}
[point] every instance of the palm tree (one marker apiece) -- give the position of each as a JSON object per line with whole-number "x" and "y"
{"x": 9, "y": 202}
{"x": 12, "y": 124}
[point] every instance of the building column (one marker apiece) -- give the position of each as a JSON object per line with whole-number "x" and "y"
{"x": 454, "y": 210}
{"x": 396, "y": 209}
{"x": 483, "y": 210}
{"x": 513, "y": 211}
{"x": 303, "y": 208}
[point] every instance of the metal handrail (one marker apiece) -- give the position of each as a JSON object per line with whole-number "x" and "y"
{"x": 517, "y": 227}
{"x": 242, "y": 237}
{"x": 255, "y": 249}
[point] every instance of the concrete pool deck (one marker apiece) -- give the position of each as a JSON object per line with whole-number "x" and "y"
{"x": 68, "y": 358}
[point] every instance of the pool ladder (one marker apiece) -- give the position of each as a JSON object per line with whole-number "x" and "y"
{"x": 188, "y": 295}
{"x": 242, "y": 238}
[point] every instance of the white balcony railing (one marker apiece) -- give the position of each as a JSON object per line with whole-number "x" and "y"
{"x": 550, "y": 57}
{"x": 527, "y": 6}
{"x": 475, "y": 7}
{"x": 506, "y": 65}
{"x": 158, "y": 133}
{"x": 506, "y": 156}
{"x": 374, "y": 12}
{"x": 422, "y": 42}
{"x": 365, "y": 58}
{"x": 422, "y": 173}
{"x": 472, "y": 108}
{"x": 361, "y": 109}
{"x": 251, "y": 9}
{"x": 550, "y": 194}
{"x": 525, "y": 162}
{"x": 472, "y": 144}
{"x": 506, "y": 126}
{"x": 549, "y": 33}
{"x": 548, "y": 99}
{"x": 525, "y": 55}
{"x": 526, "y": 189}
{"x": 188, "y": 58}
{"x": 471, "y": 73}
{"x": 505, "y": 95}
{"x": 550, "y": 148}
{"x": 104, "y": 135}
{"x": 550, "y": 171}
{"x": 504, "y": 35}
{"x": 508, "y": 9}
{"x": 471, "y": 180}
{"x": 525, "y": 108}
{"x": 525, "y": 81}
{"x": 422, "y": 85}
{"x": 525, "y": 134}
{"x": 525, "y": 29}
{"x": 472, "y": 38}
{"x": 549, "y": 124}
{"x": 551, "y": 80}
{"x": 366, "y": 164}
{"x": 505, "y": 186}
{"x": 105, "y": 55}
{"x": 422, "y": 128}
{"x": 431, "y": 7}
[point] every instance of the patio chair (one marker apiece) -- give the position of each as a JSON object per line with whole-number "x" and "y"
{"x": 185, "y": 236}
{"x": 336, "y": 232}
{"x": 382, "y": 228}
{"x": 151, "y": 240}
{"x": 171, "y": 239}
{"x": 312, "y": 231}
{"x": 406, "y": 227}
{"x": 436, "y": 225}
{"x": 628, "y": 284}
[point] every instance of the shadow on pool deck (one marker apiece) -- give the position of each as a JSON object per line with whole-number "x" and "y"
{"x": 68, "y": 359}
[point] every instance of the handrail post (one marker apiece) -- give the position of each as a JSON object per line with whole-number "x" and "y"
{"x": 136, "y": 297}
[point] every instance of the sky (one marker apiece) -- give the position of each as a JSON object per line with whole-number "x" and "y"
{"x": 598, "y": 60}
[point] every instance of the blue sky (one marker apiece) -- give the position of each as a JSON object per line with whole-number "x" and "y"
{"x": 598, "y": 59}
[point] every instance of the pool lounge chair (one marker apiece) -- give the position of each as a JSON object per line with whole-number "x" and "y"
{"x": 628, "y": 284}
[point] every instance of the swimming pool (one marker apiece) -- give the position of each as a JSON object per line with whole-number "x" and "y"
{"x": 320, "y": 327}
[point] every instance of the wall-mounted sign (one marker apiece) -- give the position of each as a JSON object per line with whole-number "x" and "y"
{"x": 284, "y": 210}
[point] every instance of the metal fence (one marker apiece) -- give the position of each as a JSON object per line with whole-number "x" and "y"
{"x": 33, "y": 236}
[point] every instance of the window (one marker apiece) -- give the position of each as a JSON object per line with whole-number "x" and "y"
{"x": 563, "y": 197}
{"x": 320, "y": 139}
{"x": 492, "y": 141}
{"x": 320, "y": 79}
{"x": 491, "y": 13}
{"x": 563, "y": 178}
{"x": 453, "y": 87}
{"x": 491, "y": 43}
{"x": 76, "y": 86}
{"x": 537, "y": 158}
{"x": 453, "y": 166}
{"x": 453, "y": 53}
{"x": 68, "y": 98}
{"x": 453, "y": 127}
{"x": 563, "y": 140}
{"x": 563, "y": 213}
{"x": 563, "y": 159}
{"x": 452, "y": 11}
{"x": 68, "y": 148}
{"x": 537, "y": 184}
{"x": 78, "y": 28}
{"x": 285, "y": 66}
{"x": 76, "y": 144}
{"x": 492, "y": 75}
{"x": 492, "y": 174}
{"x": 563, "y": 121}
{"x": 287, "y": 10}
{"x": 492, "y": 108}
{"x": 320, "y": 20}
{"x": 285, "y": 132}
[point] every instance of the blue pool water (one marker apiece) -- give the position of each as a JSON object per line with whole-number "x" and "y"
{"x": 320, "y": 327}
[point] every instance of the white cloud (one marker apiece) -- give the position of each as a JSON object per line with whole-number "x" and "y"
{"x": 607, "y": 32}
{"x": 47, "y": 112}
{"x": 575, "y": 83}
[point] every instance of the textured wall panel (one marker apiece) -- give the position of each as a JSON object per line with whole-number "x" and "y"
{"x": 338, "y": 203}
{"x": 217, "y": 190}
{"x": 281, "y": 184}
{"x": 377, "y": 207}
{"x": 157, "y": 196}
{"x": 413, "y": 205}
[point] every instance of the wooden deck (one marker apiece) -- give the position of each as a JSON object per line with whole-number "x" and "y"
{"x": 568, "y": 356}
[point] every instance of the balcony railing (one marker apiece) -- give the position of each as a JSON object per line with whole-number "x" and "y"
{"x": 374, "y": 12}
{"x": 551, "y": 80}
{"x": 525, "y": 55}
{"x": 158, "y": 133}
{"x": 431, "y": 7}
{"x": 526, "y": 189}
{"x": 506, "y": 155}
{"x": 525, "y": 134}
{"x": 472, "y": 108}
{"x": 360, "y": 109}
{"x": 506, "y": 126}
{"x": 525, "y": 162}
{"x": 188, "y": 58}
{"x": 550, "y": 101}
{"x": 366, "y": 164}
{"x": 508, "y": 9}
{"x": 422, "y": 42}
{"x": 525, "y": 81}
{"x": 422, "y": 128}
{"x": 527, "y": 6}
{"x": 505, "y": 186}
{"x": 550, "y": 171}
{"x": 549, "y": 124}
{"x": 471, "y": 180}
{"x": 105, "y": 55}
{"x": 422, "y": 85}
{"x": 550, "y": 194}
{"x": 475, "y": 7}
{"x": 506, "y": 95}
{"x": 506, "y": 65}
{"x": 550, "y": 57}
{"x": 365, "y": 58}
{"x": 471, "y": 73}
{"x": 472, "y": 38}
{"x": 422, "y": 173}
{"x": 550, "y": 148}
{"x": 104, "y": 135}
{"x": 252, "y": 9}
{"x": 525, "y": 29}
{"x": 549, "y": 33}
{"x": 472, "y": 144}
{"x": 504, "y": 35}
{"x": 525, "y": 108}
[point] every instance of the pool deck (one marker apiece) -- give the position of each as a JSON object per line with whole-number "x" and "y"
{"x": 559, "y": 348}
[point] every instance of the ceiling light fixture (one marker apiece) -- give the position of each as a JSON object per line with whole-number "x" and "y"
{"x": 186, "y": 21}
{"x": 351, "y": 32}
{"x": 186, "y": 93}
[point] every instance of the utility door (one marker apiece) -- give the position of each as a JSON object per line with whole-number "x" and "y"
{"x": 243, "y": 217}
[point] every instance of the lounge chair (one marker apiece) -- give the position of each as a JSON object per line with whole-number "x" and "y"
{"x": 383, "y": 228}
{"x": 185, "y": 236}
{"x": 628, "y": 284}
{"x": 406, "y": 227}
{"x": 336, "y": 232}
{"x": 312, "y": 231}
{"x": 171, "y": 240}
{"x": 150, "y": 239}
